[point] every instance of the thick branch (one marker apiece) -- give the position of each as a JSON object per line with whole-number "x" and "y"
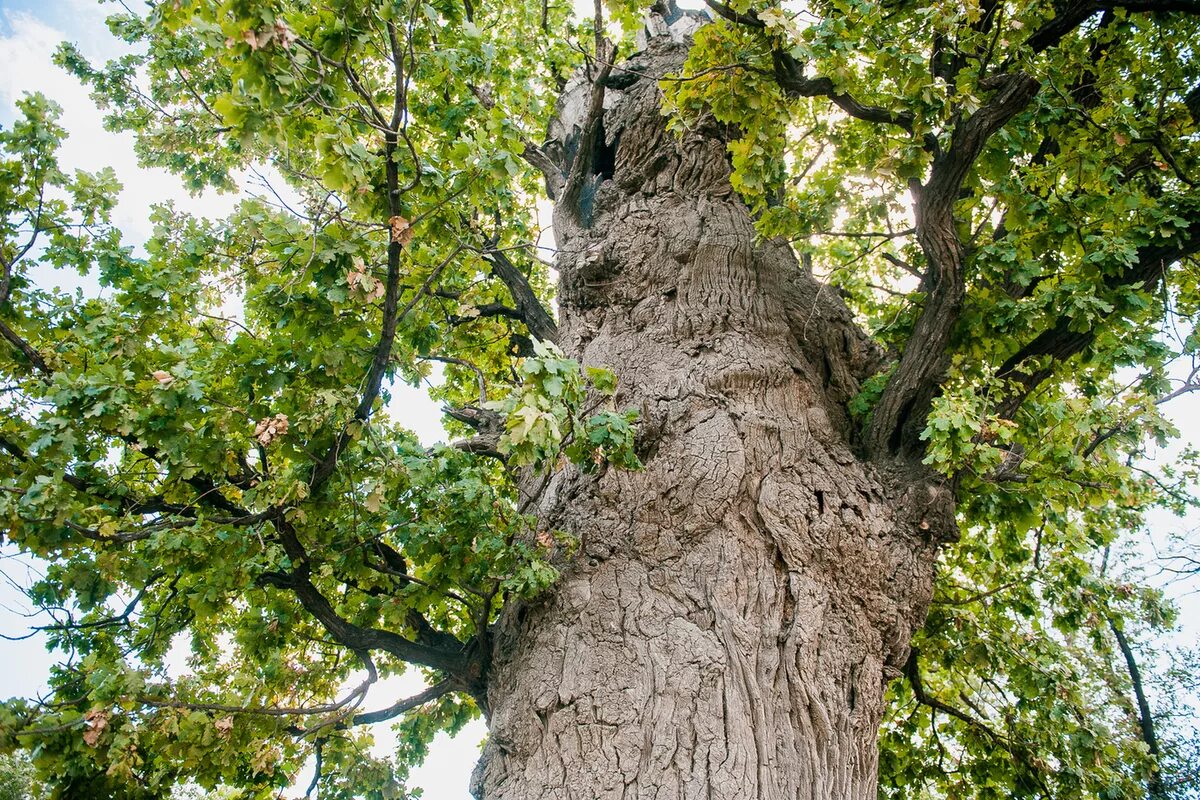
{"x": 454, "y": 662}
{"x": 356, "y": 637}
{"x": 749, "y": 19}
{"x": 127, "y": 504}
{"x": 1066, "y": 19}
{"x": 580, "y": 173}
{"x": 31, "y": 354}
{"x": 399, "y": 707}
{"x": 391, "y": 300}
{"x": 913, "y": 673}
{"x": 344, "y": 705}
{"x": 262, "y": 711}
{"x": 900, "y": 414}
{"x": 1069, "y": 16}
{"x": 541, "y": 325}
{"x": 789, "y": 73}
{"x": 383, "y": 351}
{"x": 488, "y": 424}
{"x": 1135, "y": 6}
{"x": 581, "y": 167}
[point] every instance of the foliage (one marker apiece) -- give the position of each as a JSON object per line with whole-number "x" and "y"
{"x": 546, "y": 418}
{"x": 16, "y": 777}
{"x": 204, "y": 453}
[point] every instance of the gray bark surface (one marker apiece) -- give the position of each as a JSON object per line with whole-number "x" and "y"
{"x": 737, "y": 607}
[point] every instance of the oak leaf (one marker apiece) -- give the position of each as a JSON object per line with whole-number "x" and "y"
{"x": 224, "y": 726}
{"x": 269, "y": 429}
{"x": 97, "y": 722}
{"x": 402, "y": 232}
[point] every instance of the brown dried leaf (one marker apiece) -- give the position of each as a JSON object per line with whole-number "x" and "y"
{"x": 402, "y": 232}
{"x": 363, "y": 282}
{"x": 269, "y": 429}
{"x": 284, "y": 35}
{"x": 97, "y": 721}
{"x": 260, "y": 39}
{"x": 224, "y": 726}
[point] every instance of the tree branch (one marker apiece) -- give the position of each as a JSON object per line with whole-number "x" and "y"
{"x": 454, "y": 662}
{"x": 789, "y": 73}
{"x": 541, "y": 325}
{"x": 1067, "y": 17}
{"x": 1154, "y": 784}
{"x": 399, "y": 707}
{"x": 1070, "y": 15}
{"x": 263, "y": 711}
{"x": 581, "y": 168}
{"x": 913, "y": 673}
{"x": 899, "y": 416}
{"x": 32, "y": 355}
{"x": 1136, "y": 6}
{"x": 126, "y": 504}
{"x": 383, "y": 350}
{"x": 534, "y": 155}
{"x": 749, "y": 19}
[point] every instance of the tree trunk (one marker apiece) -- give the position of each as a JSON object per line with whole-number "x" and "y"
{"x": 737, "y": 607}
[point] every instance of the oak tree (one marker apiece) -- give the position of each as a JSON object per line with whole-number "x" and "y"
{"x": 825, "y": 411}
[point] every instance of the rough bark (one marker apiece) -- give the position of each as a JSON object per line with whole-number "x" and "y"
{"x": 738, "y": 606}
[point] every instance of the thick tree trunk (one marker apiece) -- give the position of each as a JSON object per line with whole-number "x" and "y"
{"x": 737, "y": 607}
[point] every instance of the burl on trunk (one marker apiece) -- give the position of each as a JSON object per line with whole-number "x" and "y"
{"x": 737, "y": 607}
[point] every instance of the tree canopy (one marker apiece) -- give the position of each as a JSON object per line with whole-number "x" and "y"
{"x": 1006, "y": 195}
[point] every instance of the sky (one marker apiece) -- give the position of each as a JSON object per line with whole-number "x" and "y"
{"x": 29, "y": 33}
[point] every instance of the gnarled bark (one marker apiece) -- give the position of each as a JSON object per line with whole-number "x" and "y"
{"x": 737, "y": 607}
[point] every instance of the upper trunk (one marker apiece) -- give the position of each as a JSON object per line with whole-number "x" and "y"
{"x": 737, "y": 606}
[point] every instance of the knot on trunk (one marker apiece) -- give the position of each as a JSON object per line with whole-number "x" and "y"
{"x": 928, "y": 506}
{"x": 488, "y": 424}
